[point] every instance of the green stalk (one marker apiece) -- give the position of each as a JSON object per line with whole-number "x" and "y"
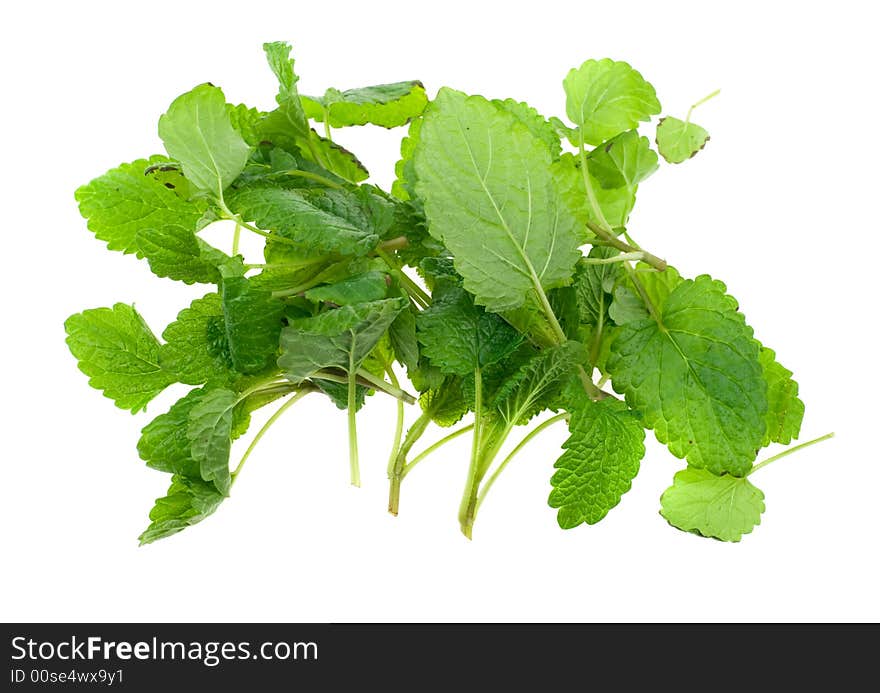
{"x": 468, "y": 506}
{"x": 395, "y": 468}
{"x": 434, "y": 447}
{"x": 352, "y": 423}
{"x": 236, "y": 238}
{"x": 531, "y": 434}
{"x": 786, "y": 453}
{"x": 266, "y": 426}
{"x": 398, "y": 428}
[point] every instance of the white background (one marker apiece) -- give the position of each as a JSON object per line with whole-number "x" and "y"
{"x": 778, "y": 205}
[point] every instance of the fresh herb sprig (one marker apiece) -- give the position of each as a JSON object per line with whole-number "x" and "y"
{"x": 499, "y": 272}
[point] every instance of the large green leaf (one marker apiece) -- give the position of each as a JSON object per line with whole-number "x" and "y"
{"x": 209, "y": 430}
{"x": 139, "y": 213}
{"x": 188, "y": 501}
{"x": 491, "y": 198}
{"x": 694, "y": 376}
{"x": 316, "y": 220}
{"x": 339, "y": 338}
{"x": 197, "y": 132}
{"x": 534, "y": 122}
{"x": 459, "y": 336}
{"x": 119, "y": 353}
{"x": 723, "y": 507}
{"x": 388, "y": 105}
{"x": 604, "y": 98}
{"x": 601, "y": 459}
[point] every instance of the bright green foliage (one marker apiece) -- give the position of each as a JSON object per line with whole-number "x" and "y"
{"x": 536, "y": 384}
{"x": 197, "y": 132}
{"x": 499, "y": 273}
{"x": 197, "y": 346}
{"x": 723, "y": 507}
{"x": 491, "y": 199}
{"x": 361, "y": 288}
{"x": 785, "y": 410}
{"x": 209, "y": 430}
{"x": 604, "y": 98}
{"x": 459, "y": 336}
{"x": 601, "y": 458}
{"x": 126, "y": 202}
{"x": 252, "y": 323}
{"x": 388, "y": 105}
{"x": 694, "y": 376}
{"x": 679, "y": 140}
{"x": 324, "y": 222}
{"x": 339, "y": 338}
{"x": 188, "y": 502}
{"x": 623, "y": 161}
{"x": 119, "y": 353}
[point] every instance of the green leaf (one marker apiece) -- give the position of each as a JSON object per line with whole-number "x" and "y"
{"x": 164, "y": 443}
{"x": 593, "y": 285}
{"x": 601, "y": 459}
{"x": 534, "y": 122}
{"x": 339, "y": 338}
{"x": 491, "y": 198}
{"x": 326, "y": 221}
{"x": 723, "y": 507}
{"x": 197, "y": 346}
{"x": 695, "y": 377}
{"x": 404, "y": 341}
{"x": 537, "y": 383}
{"x": 177, "y": 253}
{"x": 288, "y": 127}
{"x": 187, "y": 502}
{"x": 404, "y": 185}
{"x": 361, "y": 288}
{"x": 197, "y": 132}
{"x": 209, "y": 430}
{"x": 785, "y": 410}
{"x": 119, "y": 353}
{"x": 388, "y": 105}
{"x": 615, "y": 203}
{"x": 252, "y": 321}
{"x": 623, "y": 161}
{"x": 446, "y": 404}
{"x": 658, "y": 285}
{"x": 246, "y": 121}
{"x": 627, "y": 306}
{"x": 678, "y": 140}
{"x": 125, "y": 202}
{"x": 604, "y": 98}
{"x": 460, "y": 337}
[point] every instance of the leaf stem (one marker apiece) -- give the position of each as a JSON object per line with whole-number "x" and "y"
{"x": 395, "y": 471}
{"x": 412, "y": 289}
{"x": 609, "y": 238}
{"x": 236, "y": 237}
{"x": 379, "y": 384}
{"x": 700, "y": 103}
{"x": 352, "y": 423}
{"x": 468, "y": 505}
{"x": 789, "y": 451}
{"x": 327, "y": 132}
{"x": 623, "y": 257}
{"x": 531, "y": 434}
{"x": 398, "y": 428}
{"x": 588, "y": 186}
{"x": 266, "y": 426}
{"x": 434, "y": 447}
